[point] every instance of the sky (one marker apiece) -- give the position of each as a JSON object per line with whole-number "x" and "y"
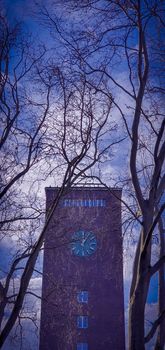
{"x": 19, "y": 10}
{"x": 22, "y": 10}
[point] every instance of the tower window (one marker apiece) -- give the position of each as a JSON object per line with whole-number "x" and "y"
{"x": 82, "y": 346}
{"x": 82, "y": 297}
{"x": 82, "y": 321}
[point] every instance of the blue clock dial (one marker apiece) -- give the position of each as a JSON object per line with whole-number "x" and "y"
{"x": 83, "y": 243}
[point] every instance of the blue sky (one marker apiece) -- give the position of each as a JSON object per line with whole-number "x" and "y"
{"x": 21, "y": 10}
{"x": 18, "y": 9}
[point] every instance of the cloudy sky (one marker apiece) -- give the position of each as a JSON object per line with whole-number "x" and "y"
{"x": 25, "y": 11}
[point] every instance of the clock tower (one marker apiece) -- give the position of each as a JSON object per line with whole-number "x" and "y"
{"x": 82, "y": 292}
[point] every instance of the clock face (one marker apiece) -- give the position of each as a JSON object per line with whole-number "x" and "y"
{"x": 83, "y": 243}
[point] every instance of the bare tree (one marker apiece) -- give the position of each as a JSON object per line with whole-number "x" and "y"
{"x": 60, "y": 130}
{"x": 117, "y": 37}
{"x": 23, "y": 116}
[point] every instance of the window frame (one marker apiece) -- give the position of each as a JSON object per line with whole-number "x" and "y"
{"x": 82, "y": 321}
{"x": 82, "y": 297}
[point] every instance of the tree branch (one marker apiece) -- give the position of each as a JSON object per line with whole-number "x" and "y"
{"x": 154, "y": 327}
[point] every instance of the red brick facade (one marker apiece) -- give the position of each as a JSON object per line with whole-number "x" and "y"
{"x": 65, "y": 275}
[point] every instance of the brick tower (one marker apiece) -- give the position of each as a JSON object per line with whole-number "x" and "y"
{"x": 82, "y": 292}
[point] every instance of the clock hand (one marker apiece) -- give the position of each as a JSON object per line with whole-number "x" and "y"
{"x": 85, "y": 239}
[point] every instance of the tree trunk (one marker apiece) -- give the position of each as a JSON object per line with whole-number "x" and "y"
{"x": 161, "y": 331}
{"x": 137, "y": 315}
{"x": 139, "y": 289}
{"x": 160, "y": 342}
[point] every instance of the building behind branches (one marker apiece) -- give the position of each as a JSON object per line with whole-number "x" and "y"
{"x": 82, "y": 293}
